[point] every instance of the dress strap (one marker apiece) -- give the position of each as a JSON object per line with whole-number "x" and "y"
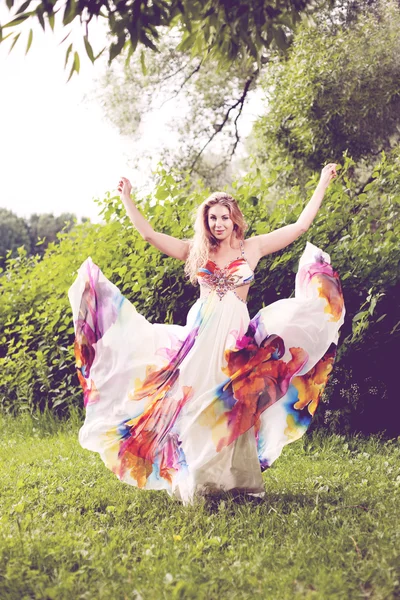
{"x": 242, "y": 247}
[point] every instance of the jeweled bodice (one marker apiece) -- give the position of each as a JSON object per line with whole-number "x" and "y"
{"x": 222, "y": 280}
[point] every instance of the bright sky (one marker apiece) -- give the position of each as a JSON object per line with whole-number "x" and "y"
{"x": 57, "y": 151}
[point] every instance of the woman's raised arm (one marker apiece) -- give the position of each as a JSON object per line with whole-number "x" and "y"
{"x": 163, "y": 242}
{"x": 261, "y": 245}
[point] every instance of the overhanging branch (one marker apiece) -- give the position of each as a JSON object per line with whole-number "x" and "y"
{"x": 220, "y": 127}
{"x": 195, "y": 70}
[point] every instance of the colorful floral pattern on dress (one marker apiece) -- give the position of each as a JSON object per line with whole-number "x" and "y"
{"x": 311, "y": 385}
{"x": 328, "y": 283}
{"x": 166, "y": 404}
{"x": 258, "y": 377}
{"x": 148, "y": 441}
{"x": 148, "y": 444}
{"x": 97, "y": 312}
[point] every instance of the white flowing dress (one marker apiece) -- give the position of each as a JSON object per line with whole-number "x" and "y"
{"x": 204, "y": 407}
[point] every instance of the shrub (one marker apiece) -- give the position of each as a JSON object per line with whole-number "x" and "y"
{"x": 359, "y": 230}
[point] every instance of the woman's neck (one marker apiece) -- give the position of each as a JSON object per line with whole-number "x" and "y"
{"x": 225, "y": 246}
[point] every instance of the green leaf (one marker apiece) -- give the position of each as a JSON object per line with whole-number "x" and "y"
{"x": 59, "y": 402}
{"x": 360, "y": 315}
{"x": 71, "y": 71}
{"x": 23, "y": 7}
{"x": 147, "y": 42}
{"x": 70, "y": 12}
{"x": 380, "y": 318}
{"x": 187, "y": 43}
{"x": 77, "y": 62}
{"x": 142, "y": 63}
{"x": 115, "y": 48}
{"x": 89, "y": 49}
{"x": 17, "y": 21}
{"x": 69, "y": 50}
{"x": 51, "y": 20}
{"x": 161, "y": 194}
{"x": 14, "y": 42}
{"x": 100, "y": 53}
{"x": 131, "y": 50}
{"x": 40, "y": 12}
{"x": 30, "y": 38}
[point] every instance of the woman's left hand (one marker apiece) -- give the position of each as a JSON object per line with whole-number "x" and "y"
{"x": 327, "y": 174}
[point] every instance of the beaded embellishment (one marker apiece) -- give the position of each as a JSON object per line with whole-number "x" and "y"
{"x": 228, "y": 278}
{"x": 221, "y": 280}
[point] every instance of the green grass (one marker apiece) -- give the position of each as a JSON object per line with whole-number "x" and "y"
{"x": 328, "y": 527}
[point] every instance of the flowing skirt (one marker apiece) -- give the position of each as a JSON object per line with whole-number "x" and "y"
{"x": 207, "y": 406}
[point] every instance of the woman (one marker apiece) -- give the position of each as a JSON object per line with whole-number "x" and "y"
{"x": 207, "y": 406}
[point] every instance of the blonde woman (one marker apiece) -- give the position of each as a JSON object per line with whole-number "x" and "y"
{"x": 206, "y": 407}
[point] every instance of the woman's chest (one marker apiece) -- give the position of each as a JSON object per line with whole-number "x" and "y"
{"x": 235, "y": 274}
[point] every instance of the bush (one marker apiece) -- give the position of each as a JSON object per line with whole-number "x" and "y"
{"x": 359, "y": 231}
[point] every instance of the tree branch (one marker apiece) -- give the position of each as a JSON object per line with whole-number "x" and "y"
{"x": 220, "y": 127}
{"x": 236, "y": 130}
{"x": 195, "y": 70}
{"x": 174, "y": 73}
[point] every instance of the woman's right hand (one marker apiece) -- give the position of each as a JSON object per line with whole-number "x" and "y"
{"x": 124, "y": 187}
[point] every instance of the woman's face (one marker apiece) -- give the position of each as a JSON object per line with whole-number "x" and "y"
{"x": 220, "y": 222}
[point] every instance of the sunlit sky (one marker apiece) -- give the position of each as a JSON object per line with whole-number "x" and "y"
{"x": 57, "y": 150}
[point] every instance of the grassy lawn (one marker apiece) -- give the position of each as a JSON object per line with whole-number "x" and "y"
{"x": 328, "y": 528}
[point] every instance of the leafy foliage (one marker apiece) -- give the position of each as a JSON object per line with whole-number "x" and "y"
{"x": 339, "y": 90}
{"x": 360, "y": 232}
{"x": 215, "y": 28}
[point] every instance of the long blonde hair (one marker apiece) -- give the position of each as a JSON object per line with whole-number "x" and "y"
{"x": 203, "y": 240}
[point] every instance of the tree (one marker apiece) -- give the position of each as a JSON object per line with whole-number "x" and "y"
{"x": 338, "y": 90}
{"x": 210, "y": 101}
{"x": 218, "y": 29}
{"x": 14, "y": 232}
{"x": 46, "y": 226}
{"x": 209, "y": 106}
{"x": 35, "y": 233}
